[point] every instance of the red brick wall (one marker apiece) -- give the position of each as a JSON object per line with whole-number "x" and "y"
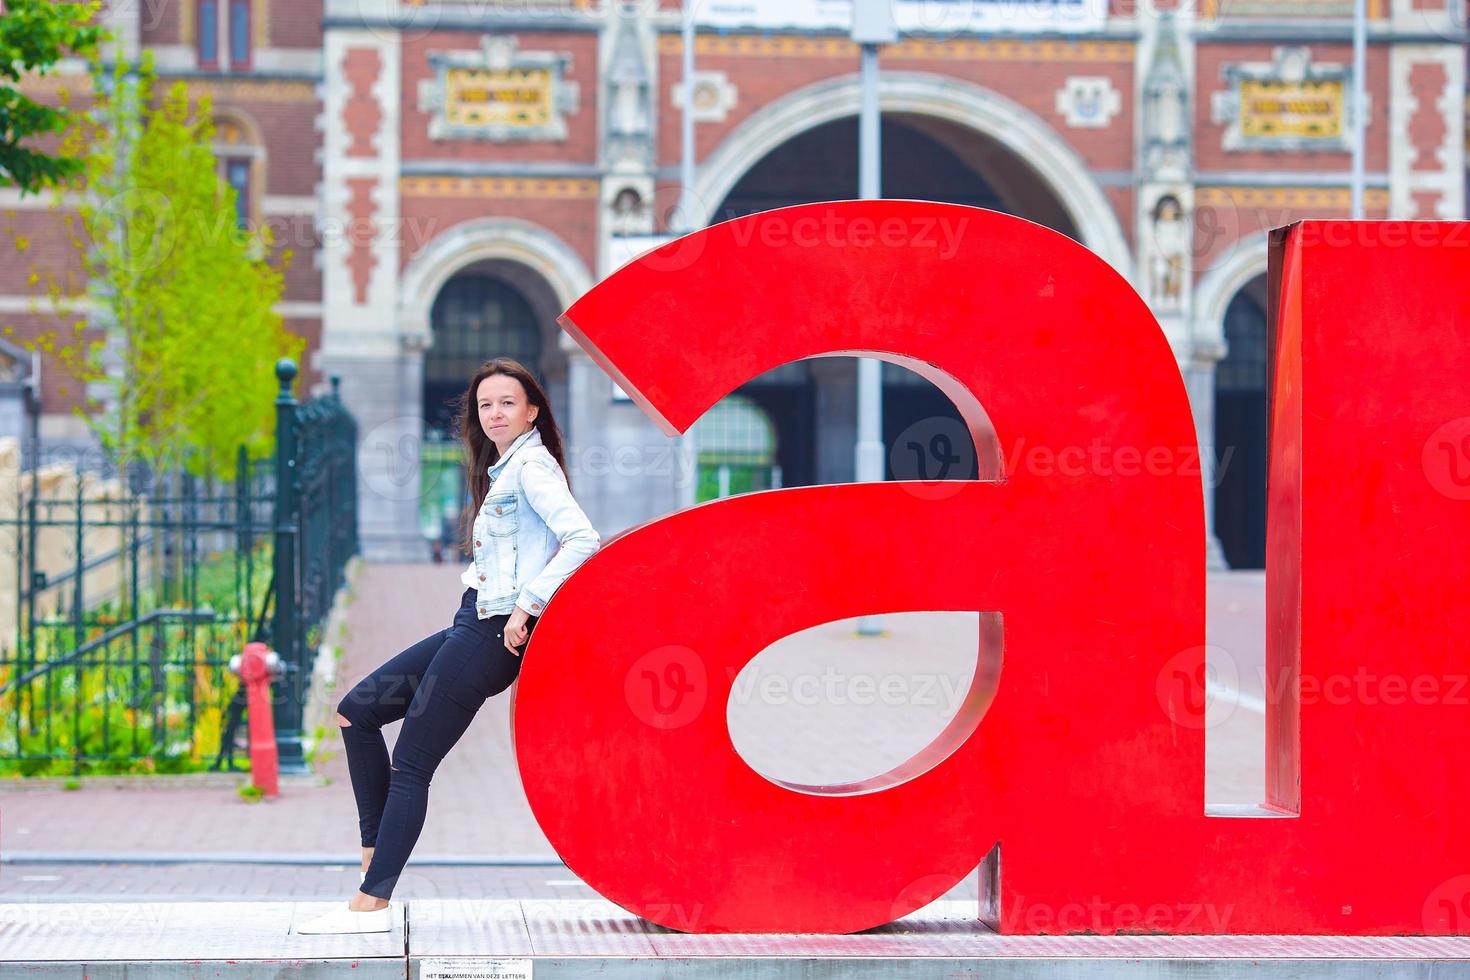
{"x": 307, "y": 376}
{"x": 295, "y": 23}
{"x": 574, "y": 221}
{"x": 48, "y": 252}
{"x": 303, "y": 281}
{"x": 158, "y": 20}
{"x": 61, "y": 390}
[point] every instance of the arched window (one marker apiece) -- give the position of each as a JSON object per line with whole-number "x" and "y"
{"x": 737, "y": 449}
{"x": 241, "y": 155}
{"x": 1241, "y": 431}
{"x": 475, "y": 317}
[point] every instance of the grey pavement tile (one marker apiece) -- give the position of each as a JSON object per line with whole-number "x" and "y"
{"x": 586, "y": 927}
{"x": 155, "y": 931}
{"x": 468, "y": 927}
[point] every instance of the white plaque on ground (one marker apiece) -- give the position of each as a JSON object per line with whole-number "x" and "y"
{"x": 474, "y": 968}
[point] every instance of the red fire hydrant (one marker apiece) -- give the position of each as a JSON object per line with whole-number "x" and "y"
{"x": 256, "y": 666}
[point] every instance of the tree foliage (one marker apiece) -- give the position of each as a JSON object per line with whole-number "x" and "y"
{"x": 34, "y": 36}
{"x": 184, "y": 296}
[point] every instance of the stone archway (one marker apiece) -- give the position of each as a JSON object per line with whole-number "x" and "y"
{"x": 484, "y": 239}
{"x": 506, "y": 273}
{"x": 1054, "y": 163}
{"x": 1232, "y": 294}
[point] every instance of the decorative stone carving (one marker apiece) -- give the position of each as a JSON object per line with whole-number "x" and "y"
{"x": 629, "y": 109}
{"x": 714, "y": 96}
{"x": 629, "y": 210}
{"x": 1088, "y": 102}
{"x": 1169, "y": 234}
{"x": 1166, "y": 149}
{"x": 1288, "y": 104}
{"x": 499, "y": 93}
{"x": 1165, "y": 195}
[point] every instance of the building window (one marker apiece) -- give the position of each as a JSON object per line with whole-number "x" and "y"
{"x": 208, "y": 24}
{"x": 736, "y": 443}
{"x": 237, "y": 175}
{"x": 239, "y": 33}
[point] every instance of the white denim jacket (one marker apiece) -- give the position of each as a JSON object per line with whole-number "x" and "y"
{"x": 530, "y": 535}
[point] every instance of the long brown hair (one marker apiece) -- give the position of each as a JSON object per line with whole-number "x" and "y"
{"x": 480, "y": 453}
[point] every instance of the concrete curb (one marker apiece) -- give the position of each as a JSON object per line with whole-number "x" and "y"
{"x": 279, "y": 857}
{"x": 150, "y": 782}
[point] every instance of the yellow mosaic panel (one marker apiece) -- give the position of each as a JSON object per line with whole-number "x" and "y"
{"x": 1306, "y": 109}
{"x": 956, "y": 49}
{"x": 513, "y": 187}
{"x": 517, "y": 97}
{"x": 1287, "y": 197}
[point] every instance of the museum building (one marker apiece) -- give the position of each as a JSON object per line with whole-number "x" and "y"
{"x": 451, "y": 176}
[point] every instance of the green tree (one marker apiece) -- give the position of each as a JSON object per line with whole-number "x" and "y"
{"x": 185, "y": 298}
{"x": 34, "y": 36}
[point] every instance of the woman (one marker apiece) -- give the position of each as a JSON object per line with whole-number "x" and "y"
{"x": 526, "y": 535}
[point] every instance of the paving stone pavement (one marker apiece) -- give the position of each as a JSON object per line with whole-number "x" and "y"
{"x": 822, "y": 706}
{"x": 113, "y": 881}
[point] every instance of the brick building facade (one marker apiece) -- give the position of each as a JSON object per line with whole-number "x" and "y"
{"x": 452, "y": 175}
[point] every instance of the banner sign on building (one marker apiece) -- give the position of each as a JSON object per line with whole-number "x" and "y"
{"x": 912, "y": 16}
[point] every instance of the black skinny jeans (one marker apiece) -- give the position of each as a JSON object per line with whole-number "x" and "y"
{"x": 435, "y": 687}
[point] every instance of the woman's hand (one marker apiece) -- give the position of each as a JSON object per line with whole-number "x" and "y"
{"x": 516, "y": 631}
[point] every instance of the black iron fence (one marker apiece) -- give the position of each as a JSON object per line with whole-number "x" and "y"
{"x": 133, "y": 590}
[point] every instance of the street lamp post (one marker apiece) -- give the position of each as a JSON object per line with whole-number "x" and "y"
{"x": 685, "y": 223}
{"x": 872, "y": 25}
{"x": 1360, "y": 116}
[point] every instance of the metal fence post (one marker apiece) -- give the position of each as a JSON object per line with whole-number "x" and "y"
{"x": 285, "y": 637}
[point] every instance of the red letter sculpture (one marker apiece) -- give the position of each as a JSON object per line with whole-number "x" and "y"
{"x": 1084, "y": 535}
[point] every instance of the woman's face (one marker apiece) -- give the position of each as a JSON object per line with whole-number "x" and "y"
{"x": 505, "y": 411}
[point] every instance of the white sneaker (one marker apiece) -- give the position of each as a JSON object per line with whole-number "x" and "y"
{"x": 343, "y": 920}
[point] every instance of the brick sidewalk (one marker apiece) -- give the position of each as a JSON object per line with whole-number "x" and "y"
{"x": 477, "y": 806}
{"x": 476, "y": 803}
